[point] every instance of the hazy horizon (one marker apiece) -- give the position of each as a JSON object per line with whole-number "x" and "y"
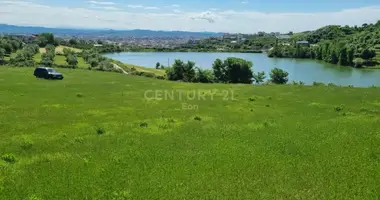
{"x": 227, "y": 16}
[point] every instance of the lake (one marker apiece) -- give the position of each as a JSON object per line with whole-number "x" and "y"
{"x": 306, "y": 71}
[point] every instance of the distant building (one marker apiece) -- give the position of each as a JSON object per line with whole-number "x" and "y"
{"x": 303, "y": 43}
{"x": 283, "y": 37}
{"x": 98, "y": 45}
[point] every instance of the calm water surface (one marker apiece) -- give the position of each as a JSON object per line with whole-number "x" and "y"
{"x": 299, "y": 70}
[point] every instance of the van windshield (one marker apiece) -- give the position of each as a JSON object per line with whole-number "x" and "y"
{"x": 51, "y": 70}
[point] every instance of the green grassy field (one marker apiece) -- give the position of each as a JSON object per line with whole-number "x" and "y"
{"x": 97, "y": 135}
{"x": 61, "y": 60}
{"x": 59, "y": 49}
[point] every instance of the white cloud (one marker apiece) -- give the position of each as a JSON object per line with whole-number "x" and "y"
{"x": 135, "y": 6}
{"x": 104, "y": 7}
{"x": 176, "y": 11}
{"x": 151, "y": 8}
{"x": 27, "y": 13}
{"x": 176, "y": 6}
{"x": 101, "y": 2}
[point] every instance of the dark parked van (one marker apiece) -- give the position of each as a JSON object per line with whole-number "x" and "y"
{"x": 47, "y": 73}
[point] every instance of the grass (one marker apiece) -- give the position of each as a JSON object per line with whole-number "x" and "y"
{"x": 59, "y": 49}
{"x": 159, "y": 72}
{"x": 111, "y": 142}
{"x": 61, "y": 60}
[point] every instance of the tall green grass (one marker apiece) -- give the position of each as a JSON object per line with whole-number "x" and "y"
{"x": 95, "y": 136}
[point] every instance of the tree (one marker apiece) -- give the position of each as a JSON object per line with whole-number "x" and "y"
{"x": 72, "y": 60}
{"x": 47, "y": 59}
{"x": 158, "y": 65}
{"x": 343, "y": 57}
{"x": 233, "y": 70}
{"x": 73, "y": 42}
{"x": 350, "y": 56}
{"x": 219, "y": 71}
{"x": 181, "y": 71}
{"x": 50, "y": 48}
{"x": 7, "y": 47}
{"x": 67, "y": 51}
{"x": 45, "y": 39}
{"x": 259, "y": 77}
{"x": 333, "y": 57}
{"x": 189, "y": 71}
{"x": 2, "y": 54}
{"x": 94, "y": 62}
{"x": 279, "y": 76}
{"x": 238, "y": 70}
{"x": 204, "y": 76}
{"x": 368, "y": 54}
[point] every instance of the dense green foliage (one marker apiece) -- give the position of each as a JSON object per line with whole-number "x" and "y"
{"x": 46, "y": 39}
{"x": 259, "y": 77}
{"x": 334, "y": 44}
{"x": 279, "y": 76}
{"x": 24, "y": 57}
{"x": 9, "y": 45}
{"x": 96, "y": 136}
{"x": 48, "y": 58}
{"x": 233, "y": 70}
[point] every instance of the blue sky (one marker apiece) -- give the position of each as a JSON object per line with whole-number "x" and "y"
{"x": 244, "y": 16}
{"x": 253, "y": 5}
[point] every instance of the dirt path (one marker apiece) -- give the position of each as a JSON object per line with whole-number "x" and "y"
{"x": 119, "y": 68}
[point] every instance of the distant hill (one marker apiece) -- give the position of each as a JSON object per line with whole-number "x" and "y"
{"x": 11, "y": 29}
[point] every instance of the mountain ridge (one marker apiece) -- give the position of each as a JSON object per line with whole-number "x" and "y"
{"x": 15, "y": 29}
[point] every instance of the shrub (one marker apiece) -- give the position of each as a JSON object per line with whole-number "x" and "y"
{"x": 338, "y": 108}
{"x": 358, "y": 62}
{"x": 100, "y": 131}
{"x": 259, "y": 77}
{"x": 252, "y": 99}
{"x": 197, "y": 118}
{"x": 301, "y": 83}
{"x": 160, "y": 77}
{"x": 79, "y": 95}
{"x": 318, "y": 84}
{"x": 332, "y": 85}
{"x": 26, "y": 144}
{"x": 279, "y": 76}
{"x": 9, "y": 158}
{"x": 143, "y": 124}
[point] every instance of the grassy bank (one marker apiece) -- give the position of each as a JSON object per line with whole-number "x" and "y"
{"x": 95, "y": 136}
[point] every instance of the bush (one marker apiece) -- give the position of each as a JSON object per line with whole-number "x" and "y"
{"x": 143, "y": 124}
{"x": 259, "y": 77}
{"x": 160, "y": 77}
{"x": 358, "y": 62}
{"x": 100, "y": 131}
{"x": 318, "y": 84}
{"x": 197, "y": 118}
{"x": 9, "y": 158}
{"x": 233, "y": 70}
{"x": 338, "y": 108}
{"x": 279, "y": 76}
{"x": 26, "y": 144}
